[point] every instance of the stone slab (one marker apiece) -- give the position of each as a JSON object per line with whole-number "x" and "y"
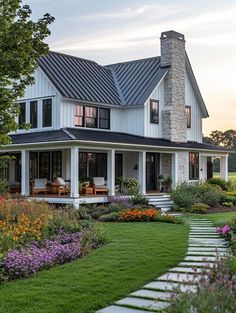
{"x": 185, "y": 270}
{"x": 200, "y": 258}
{"x": 169, "y": 286}
{"x": 196, "y": 264}
{"x": 206, "y": 253}
{"x": 143, "y": 303}
{"x": 120, "y": 309}
{"x": 202, "y": 249}
{"x": 180, "y": 277}
{"x": 156, "y": 295}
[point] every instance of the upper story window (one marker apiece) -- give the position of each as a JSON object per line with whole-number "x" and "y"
{"x": 193, "y": 166}
{"x": 47, "y": 112}
{"x": 188, "y": 116}
{"x": 154, "y": 111}
{"x": 104, "y": 118}
{"x": 34, "y": 114}
{"x": 22, "y": 115}
{"x": 92, "y": 117}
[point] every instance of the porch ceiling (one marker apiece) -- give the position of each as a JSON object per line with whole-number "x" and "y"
{"x": 86, "y": 136}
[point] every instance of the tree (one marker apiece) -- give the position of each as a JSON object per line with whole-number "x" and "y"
{"x": 226, "y": 139}
{"x": 22, "y": 42}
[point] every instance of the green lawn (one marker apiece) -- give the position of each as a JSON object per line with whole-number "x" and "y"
{"x": 216, "y": 218}
{"x": 135, "y": 254}
{"x": 232, "y": 176}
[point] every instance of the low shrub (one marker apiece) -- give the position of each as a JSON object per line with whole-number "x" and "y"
{"x": 139, "y": 199}
{"x": 124, "y": 201}
{"x": 199, "y": 208}
{"x": 3, "y": 187}
{"x": 111, "y": 217}
{"x": 166, "y": 218}
{"x": 228, "y": 198}
{"x": 183, "y": 196}
{"x": 231, "y": 193}
{"x": 219, "y": 182}
{"x": 131, "y": 185}
{"x": 228, "y": 204}
{"x": 98, "y": 211}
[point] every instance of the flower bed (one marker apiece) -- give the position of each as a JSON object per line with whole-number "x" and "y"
{"x": 137, "y": 215}
{"x": 35, "y": 236}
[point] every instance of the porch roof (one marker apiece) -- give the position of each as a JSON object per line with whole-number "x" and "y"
{"x": 106, "y": 137}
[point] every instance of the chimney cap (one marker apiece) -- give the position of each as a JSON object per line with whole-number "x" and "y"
{"x": 172, "y": 34}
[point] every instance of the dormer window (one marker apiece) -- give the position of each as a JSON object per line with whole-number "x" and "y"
{"x": 92, "y": 117}
{"x": 154, "y": 111}
{"x": 188, "y": 116}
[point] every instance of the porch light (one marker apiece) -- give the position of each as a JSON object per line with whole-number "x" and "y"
{"x": 136, "y": 167}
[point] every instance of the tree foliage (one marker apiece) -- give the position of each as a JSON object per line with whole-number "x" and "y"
{"x": 225, "y": 139}
{"x": 22, "y": 42}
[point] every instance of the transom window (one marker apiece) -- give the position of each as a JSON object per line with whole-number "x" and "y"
{"x": 193, "y": 166}
{"x": 188, "y": 116}
{"x": 92, "y": 117}
{"x": 154, "y": 111}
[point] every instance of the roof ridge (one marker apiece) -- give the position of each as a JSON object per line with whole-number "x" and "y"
{"x": 132, "y": 61}
{"x": 72, "y": 56}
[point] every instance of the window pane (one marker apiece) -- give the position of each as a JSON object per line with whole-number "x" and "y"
{"x": 154, "y": 111}
{"x": 47, "y": 112}
{"x": 193, "y": 166}
{"x": 104, "y": 118}
{"x": 33, "y": 165}
{"x": 83, "y": 166}
{"x": 22, "y": 117}
{"x": 44, "y": 165}
{"x": 79, "y": 115}
{"x": 56, "y": 164}
{"x": 91, "y": 117}
{"x": 33, "y": 114}
{"x": 188, "y": 116}
{"x": 97, "y": 164}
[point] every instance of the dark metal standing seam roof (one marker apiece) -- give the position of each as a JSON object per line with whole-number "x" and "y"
{"x": 128, "y": 83}
{"x": 137, "y": 79}
{"x": 76, "y": 134}
{"x": 80, "y": 79}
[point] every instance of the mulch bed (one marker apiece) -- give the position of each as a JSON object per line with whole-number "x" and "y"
{"x": 221, "y": 209}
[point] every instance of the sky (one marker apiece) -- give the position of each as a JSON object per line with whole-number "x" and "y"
{"x": 109, "y": 31}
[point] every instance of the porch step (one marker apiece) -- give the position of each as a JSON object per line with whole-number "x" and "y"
{"x": 161, "y": 201}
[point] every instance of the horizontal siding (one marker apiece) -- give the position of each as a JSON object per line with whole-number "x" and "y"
{"x": 150, "y": 129}
{"x": 195, "y": 132}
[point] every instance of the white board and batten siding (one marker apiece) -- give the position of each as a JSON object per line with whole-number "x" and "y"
{"x": 150, "y": 129}
{"x": 195, "y": 132}
{"x": 42, "y": 89}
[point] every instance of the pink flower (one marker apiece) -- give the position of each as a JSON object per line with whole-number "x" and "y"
{"x": 226, "y": 229}
{"x": 219, "y": 230}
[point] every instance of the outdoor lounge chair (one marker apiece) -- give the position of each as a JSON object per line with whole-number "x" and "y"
{"x": 62, "y": 186}
{"x": 39, "y": 186}
{"x": 99, "y": 185}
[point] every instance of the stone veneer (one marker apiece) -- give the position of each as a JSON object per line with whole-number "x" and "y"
{"x": 166, "y": 164}
{"x": 173, "y": 116}
{"x": 182, "y": 167}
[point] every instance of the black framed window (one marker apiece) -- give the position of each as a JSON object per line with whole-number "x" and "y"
{"x": 34, "y": 158}
{"x": 79, "y": 115}
{"x": 22, "y": 115}
{"x": 91, "y": 114}
{"x": 56, "y": 164}
{"x": 154, "y": 111}
{"x": 188, "y": 116}
{"x": 47, "y": 112}
{"x": 92, "y": 164}
{"x": 44, "y": 165}
{"x": 118, "y": 165}
{"x": 104, "y": 118}
{"x": 34, "y": 114}
{"x": 193, "y": 166}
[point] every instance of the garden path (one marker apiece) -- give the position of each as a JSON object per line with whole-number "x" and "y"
{"x": 204, "y": 246}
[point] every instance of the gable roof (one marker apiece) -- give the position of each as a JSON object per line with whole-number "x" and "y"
{"x": 127, "y": 83}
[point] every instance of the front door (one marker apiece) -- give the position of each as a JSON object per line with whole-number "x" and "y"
{"x": 152, "y": 170}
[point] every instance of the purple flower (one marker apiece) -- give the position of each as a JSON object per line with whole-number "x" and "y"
{"x": 219, "y": 230}
{"x": 226, "y": 229}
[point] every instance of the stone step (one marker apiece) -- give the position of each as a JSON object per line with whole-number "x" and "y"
{"x": 193, "y": 264}
{"x": 155, "y": 295}
{"x": 185, "y": 270}
{"x": 202, "y": 249}
{"x": 180, "y": 277}
{"x": 205, "y": 245}
{"x": 200, "y": 258}
{"x": 169, "y": 286}
{"x": 143, "y": 303}
{"x": 120, "y": 309}
{"x": 207, "y": 253}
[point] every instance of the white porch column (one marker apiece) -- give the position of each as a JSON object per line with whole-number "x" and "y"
{"x": 174, "y": 170}
{"x": 142, "y": 171}
{"x": 111, "y": 164}
{"x": 224, "y": 167}
{"x": 25, "y": 173}
{"x": 74, "y": 169}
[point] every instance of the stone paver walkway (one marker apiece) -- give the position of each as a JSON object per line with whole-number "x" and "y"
{"x": 204, "y": 246}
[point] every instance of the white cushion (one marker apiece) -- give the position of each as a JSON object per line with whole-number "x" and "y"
{"x": 98, "y": 181}
{"x": 60, "y": 181}
{"x": 40, "y": 183}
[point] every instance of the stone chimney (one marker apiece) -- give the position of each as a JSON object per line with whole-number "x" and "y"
{"x": 174, "y": 126}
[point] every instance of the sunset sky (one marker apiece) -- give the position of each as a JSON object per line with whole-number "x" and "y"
{"x": 109, "y": 31}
